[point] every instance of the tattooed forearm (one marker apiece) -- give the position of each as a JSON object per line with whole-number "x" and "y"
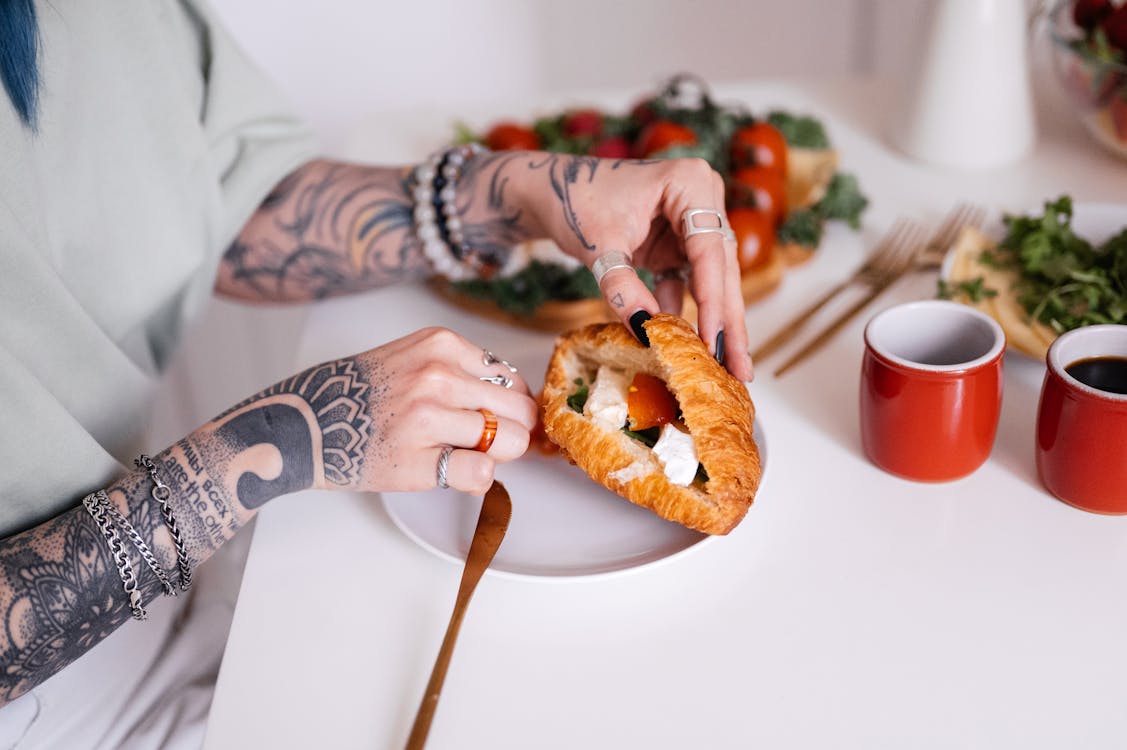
{"x": 60, "y": 591}
{"x": 326, "y": 229}
{"x": 331, "y": 228}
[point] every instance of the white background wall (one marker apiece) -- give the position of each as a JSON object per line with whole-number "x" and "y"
{"x": 340, "y": 60}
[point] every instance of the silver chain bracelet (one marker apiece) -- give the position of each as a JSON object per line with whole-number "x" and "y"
{"x": 161, "y": 492}
{"x": 96, "y": 504}
{"x": 139, "y": 542}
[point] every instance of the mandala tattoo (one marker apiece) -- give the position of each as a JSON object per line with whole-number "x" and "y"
{"x": 325, "y": 405}
{"x": 61, "y": 608}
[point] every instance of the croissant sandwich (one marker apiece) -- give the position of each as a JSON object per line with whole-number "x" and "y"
{"x": 666, "y": 427}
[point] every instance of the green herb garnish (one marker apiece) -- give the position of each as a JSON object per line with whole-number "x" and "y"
{"x": 843, "y": 201}
{"x": 803, "y": 227}
{"x": 578, "y": 399}
{"x": 647, "y": 437}
{"x": 800, "y": 131}
{"x": 1064, "y": 281}
{"x": 974, "y": 290}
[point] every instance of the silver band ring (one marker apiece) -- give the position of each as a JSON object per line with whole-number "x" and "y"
{"x": 679, "y": 273}
{"x": 443, "y": 463}
{"x": 608, "y": 262}
{"x": 501, "y": 380}
{"x": 690, "y": 227}
{"x": 489, "y": 358}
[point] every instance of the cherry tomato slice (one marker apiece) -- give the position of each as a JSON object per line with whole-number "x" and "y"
{"x": 759, "y": 145}
{"x": 649, "y": 403}
{"x": 755, "y": 237}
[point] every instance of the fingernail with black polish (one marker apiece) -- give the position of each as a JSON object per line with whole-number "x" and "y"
{"x": 720, "y": 346}
{"x": 636, "y": 321}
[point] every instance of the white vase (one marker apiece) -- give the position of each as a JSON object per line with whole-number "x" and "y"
{"x": 969, "y": 103}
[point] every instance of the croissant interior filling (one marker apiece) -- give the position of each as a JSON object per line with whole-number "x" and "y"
{"x": 600, "y": 392}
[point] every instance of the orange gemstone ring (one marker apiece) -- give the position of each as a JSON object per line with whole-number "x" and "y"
{"x": 488, "y": 431}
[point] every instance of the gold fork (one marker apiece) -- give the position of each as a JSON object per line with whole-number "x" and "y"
{"x": 880, "y": 263}
{"x": 927, "y": 256}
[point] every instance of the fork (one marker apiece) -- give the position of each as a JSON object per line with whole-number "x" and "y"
{"x": 881, "y": 262}
{"x": 927, "y": 256}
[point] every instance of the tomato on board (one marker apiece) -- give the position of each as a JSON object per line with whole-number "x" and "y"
{"x": 663, "y": 134}
{"x": 758, "y": 145}
{"x": 506, "y": 136}
{"x": 761, "y": 188}
{"x": 649, "y": 403}
{"x": 615, "y": 147}
{"x": 755, "y": 237}
{"x": 582, "y": 123}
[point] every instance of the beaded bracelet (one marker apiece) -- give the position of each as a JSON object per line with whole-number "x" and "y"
{"x": 437, "y": 223}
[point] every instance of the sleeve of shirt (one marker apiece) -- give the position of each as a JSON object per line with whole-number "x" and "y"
{"x": 255, "y": 139}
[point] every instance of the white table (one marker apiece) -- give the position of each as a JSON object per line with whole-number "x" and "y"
{"x": 851, "y": 609}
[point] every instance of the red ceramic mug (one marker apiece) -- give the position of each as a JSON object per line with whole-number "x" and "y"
{"x": 931, "y": 389}
{"x": 1082, "y": 419}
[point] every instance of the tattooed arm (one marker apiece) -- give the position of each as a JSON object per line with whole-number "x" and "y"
{"x": 372, "y": 422}
{"x": 331, "y": 228}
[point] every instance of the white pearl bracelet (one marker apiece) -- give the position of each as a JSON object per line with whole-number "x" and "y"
{"x": 441, "y": 236}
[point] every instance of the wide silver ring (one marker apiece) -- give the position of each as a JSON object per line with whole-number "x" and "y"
{"x": 690, "y": 227}
{"x": 608, "y": 262}
{"x": 443, "y": 464}
{"x": 501, "y": 380}
{"x": 489, "y": 358}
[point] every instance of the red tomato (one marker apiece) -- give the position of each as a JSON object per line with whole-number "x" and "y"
{"x": 649, "y": 403}
{"x": 1088, "y": 13}
{"x": 755, "y": 237}
{"x": 759, "y": 145}
{"x": 611, "y": 148}
{"x": 582, "y": 123}
{"x": 642, "y": 113}
{"x": 1115, "y": 27}
{"x": 662, "y": 134}
{"x": 759, "y": 187}
{"x": 505, "y": 136}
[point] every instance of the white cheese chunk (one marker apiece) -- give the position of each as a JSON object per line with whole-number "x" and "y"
{"x": 606, "y": 401}
{"x": 675, "y": 451}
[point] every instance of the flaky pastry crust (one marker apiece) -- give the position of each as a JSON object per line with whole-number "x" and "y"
{"x": 716, "y": 409}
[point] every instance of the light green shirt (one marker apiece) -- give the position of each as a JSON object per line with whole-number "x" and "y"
{"x": 156, "y": 141}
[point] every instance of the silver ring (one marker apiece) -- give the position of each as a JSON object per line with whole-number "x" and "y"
{"x": 443, "y": 463}
{"x": 689, "y": 227}
{"x": 501, "y": 380}
{"x": 489, "y": 358}
{"x": 679, "y": 273}
{"x": 608, "y": 262}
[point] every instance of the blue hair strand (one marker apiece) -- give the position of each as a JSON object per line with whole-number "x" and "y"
{"x": 19, "y": 48}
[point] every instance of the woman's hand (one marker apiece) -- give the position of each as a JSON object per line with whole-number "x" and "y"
{"x": 425, "y": 392}
{"x": 591, "y": 207}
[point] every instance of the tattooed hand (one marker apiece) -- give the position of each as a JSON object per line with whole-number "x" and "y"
{"x": 331, "y": 228}
{"x": 377, "y": 422}
{"x": 593, "y": 206}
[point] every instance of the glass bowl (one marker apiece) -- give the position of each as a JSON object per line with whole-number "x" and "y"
{"x": 1097, "y": 87}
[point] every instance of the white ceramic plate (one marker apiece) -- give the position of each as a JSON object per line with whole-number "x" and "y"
{"x": 1095, "y": 222}
{"x": 564, "y": 525}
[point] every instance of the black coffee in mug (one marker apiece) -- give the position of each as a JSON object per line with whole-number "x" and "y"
{"x": 1103, "y": 373}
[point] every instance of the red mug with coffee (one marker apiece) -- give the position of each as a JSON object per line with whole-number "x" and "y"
{"x": 931, "y": 389}
{"x": 1082, "y": 419}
